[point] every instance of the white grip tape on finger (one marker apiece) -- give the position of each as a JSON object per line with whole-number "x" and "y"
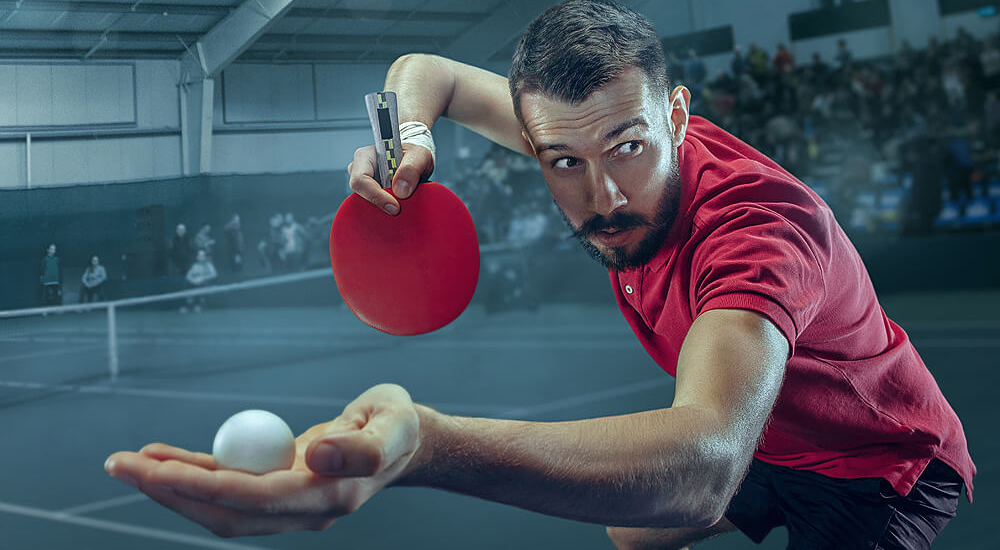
{"x": 417, "y": 133}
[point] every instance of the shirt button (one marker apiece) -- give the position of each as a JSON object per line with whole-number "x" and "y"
{"x": 628, "y": 289}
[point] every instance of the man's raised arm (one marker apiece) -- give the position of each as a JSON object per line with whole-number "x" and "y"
{"x": 428, "y": 87}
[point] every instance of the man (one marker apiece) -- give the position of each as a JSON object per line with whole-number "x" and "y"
{"x": 234, "y": 237}
{"x": 50, "y": 276}
{"x": 200, "y": 272}
{"x": 181, "y": 249}
{"x": 93, "y": 281}
{"x": 736, "y": 280}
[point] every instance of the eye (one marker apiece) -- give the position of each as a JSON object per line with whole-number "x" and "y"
{"x": 633, "y": 147}
{"x": 565, "y": 162}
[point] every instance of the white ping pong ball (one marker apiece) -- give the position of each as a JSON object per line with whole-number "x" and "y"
{"x": 254, "y": 441}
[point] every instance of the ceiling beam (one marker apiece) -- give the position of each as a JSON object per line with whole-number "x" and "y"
{"x": 350, "y": 39}
{"x": 221, "y": 10}
{"x": 230, "y": 37}
{"x": 387, "y": 15}
{"x": 78, "y": 53}
{"x": 115, "y": 7}
{"x": 271, "y": 56}
{"x": 75, "y": 37}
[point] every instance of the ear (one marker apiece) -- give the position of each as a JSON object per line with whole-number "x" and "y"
{"x": 680, "y": 103}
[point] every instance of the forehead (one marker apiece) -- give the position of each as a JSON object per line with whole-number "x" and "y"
{"x": 627, "y": 96}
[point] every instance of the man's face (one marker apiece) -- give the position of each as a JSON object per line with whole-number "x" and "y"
{"x": 181, "y": 230}
{"x": 611, "y": 164}
{"x": 52, "y": 250}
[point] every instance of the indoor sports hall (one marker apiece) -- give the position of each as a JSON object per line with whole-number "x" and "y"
{"x": 170, "y": 173}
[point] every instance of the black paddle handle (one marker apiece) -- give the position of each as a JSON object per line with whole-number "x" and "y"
{"x": 385, "y": 125}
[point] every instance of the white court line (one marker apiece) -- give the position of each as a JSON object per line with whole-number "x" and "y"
{"x": 103, "y": 504}
{"x": 588, "y": 398}
{"x": 46, "y": 353}
{"x": 325, "y": 403}
{"x": 104, "y": 525}
{"x": 625, "y": 342}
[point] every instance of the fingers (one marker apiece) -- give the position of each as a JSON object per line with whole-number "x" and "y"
{"x": 161, "y": 451}
{"x": 277, "y": 493}
{"x": 362, "y": 180}
{"x": 228, "y": 521}
{"x": 416, "y": 163}
{"x": 374, "y": 433}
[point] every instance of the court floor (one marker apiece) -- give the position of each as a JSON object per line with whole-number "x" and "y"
{"x": 182, "y": 375}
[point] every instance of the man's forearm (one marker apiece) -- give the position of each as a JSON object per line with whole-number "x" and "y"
{"x": 598, "y": 470}
{"x": 429, "y": 87}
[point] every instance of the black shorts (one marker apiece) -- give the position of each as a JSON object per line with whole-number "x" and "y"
{"x": 822, "y": 512}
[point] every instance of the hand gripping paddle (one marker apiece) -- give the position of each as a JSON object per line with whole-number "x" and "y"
{"x": 410, "y": 273}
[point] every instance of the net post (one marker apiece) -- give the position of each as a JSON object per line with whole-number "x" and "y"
{"x": 112, "y": 343}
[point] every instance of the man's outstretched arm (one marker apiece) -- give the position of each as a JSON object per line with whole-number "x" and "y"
{"x": 671, "y": 467}
{"x": 663, "y": 468}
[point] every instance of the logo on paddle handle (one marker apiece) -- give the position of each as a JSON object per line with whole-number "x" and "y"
{"x": 385, "y": 125}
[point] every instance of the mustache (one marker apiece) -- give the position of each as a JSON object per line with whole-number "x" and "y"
{"x": 619, "y": 221}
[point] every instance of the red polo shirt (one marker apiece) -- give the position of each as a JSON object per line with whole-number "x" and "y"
{"x": 857, "y": 400}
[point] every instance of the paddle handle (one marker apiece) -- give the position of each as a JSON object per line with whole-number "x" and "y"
{"x": 385, "y": 125}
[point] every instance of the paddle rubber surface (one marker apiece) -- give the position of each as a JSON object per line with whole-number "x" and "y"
{"x": 411, "y": 273}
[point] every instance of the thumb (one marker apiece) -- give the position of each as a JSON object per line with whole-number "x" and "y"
{"x": 416, "y": 164}
{"x": 349, "y": 449}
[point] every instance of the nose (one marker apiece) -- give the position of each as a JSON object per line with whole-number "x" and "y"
{"x": 605, "y": 195}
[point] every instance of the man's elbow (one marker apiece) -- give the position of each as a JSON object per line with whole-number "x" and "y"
{"x": 411, "y": 61}
{"x": 702, "y": 497}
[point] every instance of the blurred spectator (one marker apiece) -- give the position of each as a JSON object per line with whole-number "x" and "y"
{"x": 738, "y": 65}
{"x": 93, "y": 281}
{"x": 989, "y": 61}
{"x": 203, "y": 240}
{"x": 292, "y": 252}
{"x": 676, "y": 67}
{"x": 819, "y": 71}
{"x": 50, "y": 275}
{"x": 694, "y": 73}
{"x": 843, "y": 56}
{"x": 201, "y": 272}
{"x": 757, "y": 58}
{"x": 181, "y": 250}
{"x": 234, "y": 237}
{"x": 275, "y": 241}
{"x": 318, "y": 241}
{"x": 784, "y": 61}
{"x": 991, "y": 120}
{"x": 925, "y": 156}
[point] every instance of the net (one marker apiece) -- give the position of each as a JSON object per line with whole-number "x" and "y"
{"x": 235, "y": 331}
{"x": 85, "y": 342}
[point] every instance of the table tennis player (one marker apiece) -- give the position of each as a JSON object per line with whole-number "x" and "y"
{"x": 797, "y": 401}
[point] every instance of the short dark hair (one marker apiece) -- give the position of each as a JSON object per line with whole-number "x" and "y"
{"x": 576, "y": 47}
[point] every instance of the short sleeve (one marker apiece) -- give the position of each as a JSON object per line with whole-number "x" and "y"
{"x": 753, "y": 258}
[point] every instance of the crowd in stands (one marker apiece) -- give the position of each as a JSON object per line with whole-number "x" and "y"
{"x": 891, "y": 143}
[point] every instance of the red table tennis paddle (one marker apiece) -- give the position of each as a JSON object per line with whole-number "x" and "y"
{"x": 411, "y": 273}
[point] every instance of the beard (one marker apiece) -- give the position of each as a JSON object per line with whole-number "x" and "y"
{"x": 619, "y": 258}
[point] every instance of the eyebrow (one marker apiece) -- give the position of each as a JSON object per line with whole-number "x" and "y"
{"x": 612, "y": 134}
